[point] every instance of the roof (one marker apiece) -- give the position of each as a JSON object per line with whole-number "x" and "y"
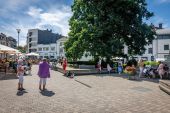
{"x": 163, "y": 32}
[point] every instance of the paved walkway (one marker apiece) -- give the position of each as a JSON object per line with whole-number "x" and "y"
{"x": 88, "y": 94}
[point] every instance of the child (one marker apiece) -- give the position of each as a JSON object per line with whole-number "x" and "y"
{"x": 120, "y": 69}
{"x": 20, "y": 74}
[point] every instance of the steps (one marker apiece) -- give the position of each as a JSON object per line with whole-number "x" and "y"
{"x": 83, "y": 72}
{"x": 164, "y": 85}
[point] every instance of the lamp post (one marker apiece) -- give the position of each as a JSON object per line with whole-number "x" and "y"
{"x": 18, "y": 31}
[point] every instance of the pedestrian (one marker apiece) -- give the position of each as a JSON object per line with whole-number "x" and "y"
{"x": 43, "y": 73}
{"x": 29, "y": 67}
{"x": 99, "y": 65}
{"x": 120, "y": 68}
{"x": 64, "y": 65}
{"x": 141, "y": 67}
{"x": 161, "y": 70}
{"x": 20, "y": 74}
{"x": 109, "y": 68}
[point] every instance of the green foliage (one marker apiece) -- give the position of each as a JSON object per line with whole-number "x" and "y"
{"x": 22, "y": 49}
{"x": 152, "y": 63}
{"x": 102, "y": 27}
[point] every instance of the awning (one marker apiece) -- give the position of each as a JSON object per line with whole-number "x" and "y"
{"x": 9, "y": 50}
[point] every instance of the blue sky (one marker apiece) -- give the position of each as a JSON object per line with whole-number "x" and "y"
{"x": 54, "y": 14}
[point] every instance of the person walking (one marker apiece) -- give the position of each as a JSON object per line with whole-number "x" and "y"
{"x": 64, "y": 65}
{"x": 108, "y": 68}
{"x": 99, "y": 66}
{"x": 141, "y": 67}
{"x": 120, "y": 68}
{"x": 20, "y": 74}
{"x": 43, "y": 73}
{"x": 161, "y": 70}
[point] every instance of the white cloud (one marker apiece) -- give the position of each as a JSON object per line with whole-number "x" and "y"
{"x": 34, "y": 12}
{"x": 54, "y": 17}
{"x": 23, "y": 14}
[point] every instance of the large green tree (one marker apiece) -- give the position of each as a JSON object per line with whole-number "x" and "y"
{"x": 103, "y": 27}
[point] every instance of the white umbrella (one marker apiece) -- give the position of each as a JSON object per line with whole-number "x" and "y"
{"x": 6, "y": 49}
{"x": 32, "y": 54}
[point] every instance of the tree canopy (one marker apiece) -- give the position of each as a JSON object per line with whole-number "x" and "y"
{"x": 103, "y": 27}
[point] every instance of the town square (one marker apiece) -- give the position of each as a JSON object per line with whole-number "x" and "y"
{"x": 84, "y": 56}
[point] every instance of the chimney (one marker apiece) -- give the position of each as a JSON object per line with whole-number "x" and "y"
{"x": 160, "y": 25}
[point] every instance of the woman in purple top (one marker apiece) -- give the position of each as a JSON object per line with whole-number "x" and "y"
{"x": 43, "y": 73}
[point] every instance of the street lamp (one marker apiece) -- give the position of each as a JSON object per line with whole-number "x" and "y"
{"x": 18, "y": 31}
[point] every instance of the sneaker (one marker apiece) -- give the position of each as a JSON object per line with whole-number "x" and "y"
{"x": 22, "y": 89}
{"x": 44, "y": 89}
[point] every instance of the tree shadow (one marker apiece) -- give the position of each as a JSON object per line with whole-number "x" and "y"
{"x": 21, "y": 93}
{"x": 8, "y": 76}
{"x": 125, "y": 76}
{"x": 47, "y": 93}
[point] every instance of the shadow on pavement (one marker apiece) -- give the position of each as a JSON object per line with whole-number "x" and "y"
{"x": 21, "y": 93}
{"x": 125, "y": 76}
{"x": 47, "y": 93}
{"x": 8, "y": 76}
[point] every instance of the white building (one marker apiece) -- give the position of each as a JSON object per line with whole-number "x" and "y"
{"x": 60, "y": 46}
{"x": 159, "y": 49}
{"x": 47, "y": 50}
{"x": 32, "y": 40}
{"x": 45, "y": 43}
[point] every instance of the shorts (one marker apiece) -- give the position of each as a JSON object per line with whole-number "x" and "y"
{"x": 21, "y": 79}
{"x": 43, "y": 81}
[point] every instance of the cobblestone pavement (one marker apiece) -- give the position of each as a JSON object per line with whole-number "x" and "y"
{"x": 88, "y": 94}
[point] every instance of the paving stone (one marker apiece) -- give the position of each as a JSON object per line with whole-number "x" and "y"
{"x": 106, "y": 94}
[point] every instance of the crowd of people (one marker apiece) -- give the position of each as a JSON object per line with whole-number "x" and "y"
{"x": 140, "y": 68}
{"x": 162, "y": 70}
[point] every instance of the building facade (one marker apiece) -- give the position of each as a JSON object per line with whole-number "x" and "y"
{"x": 47, "y": 50}
{"x": 45, "y": 43}
{"x": 8, "y": 41}
{"x": 60, "y": 46}
{"x": 159, "y": 49}
{"x": 36, "y": 36}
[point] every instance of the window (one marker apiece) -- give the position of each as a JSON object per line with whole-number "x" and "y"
{"x": 166, "y": 56}
{"x": 30, "y": 45}
{"x": 61, "y": 43}
{"x": 166, "y": 47}
{"x": 149, "y": 50}
{"x": 39, "y": 49}
{"x": 61, "y": 50}
{"x": 30, "y": 33}
{"x": 47, "y": 48}
{"x": 52, "y": 48}
{"x": 30, "y": 39}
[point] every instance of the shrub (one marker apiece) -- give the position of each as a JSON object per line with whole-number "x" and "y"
{"x": 152, "y": 63}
